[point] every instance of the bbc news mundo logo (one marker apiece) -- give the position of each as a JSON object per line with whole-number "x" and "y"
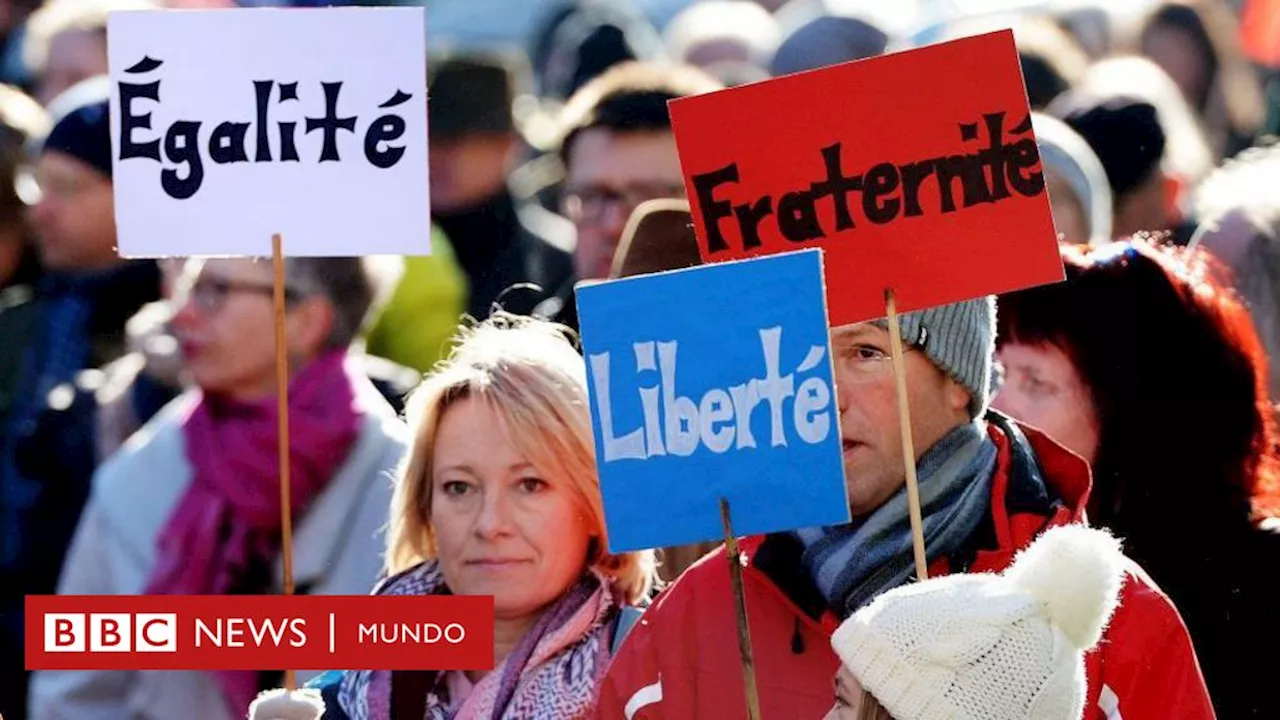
{"x": 110, "y": 632}
{"x": 258, "y": 632}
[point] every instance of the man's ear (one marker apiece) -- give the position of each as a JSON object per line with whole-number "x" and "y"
{"x": 958, "y": 398}
{"x": 310, "y": 322}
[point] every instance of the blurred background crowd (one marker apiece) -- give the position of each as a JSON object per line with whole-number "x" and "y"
{"x": 548, "y": 127}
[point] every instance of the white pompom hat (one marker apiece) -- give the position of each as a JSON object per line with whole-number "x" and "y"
{"x": 986, "y": 646}
{"x": 304, "y": 704}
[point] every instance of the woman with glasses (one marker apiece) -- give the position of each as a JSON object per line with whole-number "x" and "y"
{"x": 191, "y": 504}
{"x": 1145, "y": 366}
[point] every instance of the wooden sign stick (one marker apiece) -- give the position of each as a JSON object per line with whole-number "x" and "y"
{"x": 908, "y": 447}
{"x": 740, "y": 605}
{"x": 282, "y": 396}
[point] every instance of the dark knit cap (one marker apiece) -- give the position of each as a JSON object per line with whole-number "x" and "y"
{"x": 1124, "y": 132}
{"x": 960, "y": 340}
{"x": 582, "y": 40}
{"x": 82, "y": 124}
{"x": 470, "y": 94}
{"x": 828, "y": 40}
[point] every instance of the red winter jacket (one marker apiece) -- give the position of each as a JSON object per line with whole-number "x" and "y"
{"x": 681, "y": 660}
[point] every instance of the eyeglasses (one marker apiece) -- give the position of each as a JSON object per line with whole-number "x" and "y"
{"x": 32, "y": 185}
{"x": 209, "y": 294}
{"x": 592, "y": 202}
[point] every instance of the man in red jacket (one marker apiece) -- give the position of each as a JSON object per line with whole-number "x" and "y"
{"x": 987, "y": 487}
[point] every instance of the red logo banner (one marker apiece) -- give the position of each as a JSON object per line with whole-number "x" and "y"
{"x": 255, "y": 632}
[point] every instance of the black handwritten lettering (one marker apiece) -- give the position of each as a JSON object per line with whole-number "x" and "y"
{"x": 913, "y": 175}
{"x": 288, "y": 150}
{"x": 182, "y": 145}
{"x": 262, "y": 101}
{"x": 1025, "y": 157}
{"x": 947, "y": 170}
{"x": 184, "y": 155}
{"x": 877, "y": 202}
{"x": 226, "y": 145}
{"x": 995, "y": 155}
{"x": 330, "y": 124}
{"x": 798, "y": 217}
{"x": 145, "y": 65}
{"x": 384, "y": 130}
{"x": 838, "y": 186}
{"x": 714, "y": 210}
{"x": 749, "y": 219}
{"x": 129, "y": 148}
{"x": 994, "y": 171}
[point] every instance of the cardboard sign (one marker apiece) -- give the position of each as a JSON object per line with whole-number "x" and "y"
{"x": 916, "y": 171}
{"x": 229, "y": 126}
{"x": 713, "y": 382}
{"x": 1260, "y": 31}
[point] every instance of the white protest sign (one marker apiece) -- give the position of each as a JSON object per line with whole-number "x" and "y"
{"x": 229, "y": 126}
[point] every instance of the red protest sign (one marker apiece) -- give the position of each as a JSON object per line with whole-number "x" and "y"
{"x": 916, "y": 172}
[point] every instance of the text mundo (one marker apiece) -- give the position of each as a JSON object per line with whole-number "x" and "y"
{"x": 888, "y": 191}
{"x": 426, "y": 633}
{"x": 229, "y": 141}
{"x": 721, "y": 419}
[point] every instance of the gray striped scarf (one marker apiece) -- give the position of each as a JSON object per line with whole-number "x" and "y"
{"x": 852, "y": 564}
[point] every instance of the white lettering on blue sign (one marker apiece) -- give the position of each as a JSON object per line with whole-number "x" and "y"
{"x": 674, "y": 424}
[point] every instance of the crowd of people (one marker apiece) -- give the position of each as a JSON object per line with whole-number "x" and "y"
{"x": 1117, "y": 429}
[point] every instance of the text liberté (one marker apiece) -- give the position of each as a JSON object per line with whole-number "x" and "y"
{"x": 888, "y": 191}
{"x": 721, "y": 419}
{"x": 229, "y": 141}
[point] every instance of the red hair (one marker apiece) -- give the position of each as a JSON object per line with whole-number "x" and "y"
{"x": 1178, "y": 376}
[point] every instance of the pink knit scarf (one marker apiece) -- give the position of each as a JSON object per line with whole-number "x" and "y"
{"x": 227, "y": 524}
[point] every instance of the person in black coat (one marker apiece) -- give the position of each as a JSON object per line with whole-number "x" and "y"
{"x": 618, "y": 151}
{"x": 73, "y": 322}
{"x": 512, "y": 251}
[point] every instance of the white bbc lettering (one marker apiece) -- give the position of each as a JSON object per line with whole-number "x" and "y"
{"x": 64, "y": 632}
{"x": 110, "y": 632}
{"x": 239, "y": 632}
{"x": 155, "y": 632}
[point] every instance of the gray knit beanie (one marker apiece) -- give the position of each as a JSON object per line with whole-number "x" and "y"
{"x": 960, "y": 339}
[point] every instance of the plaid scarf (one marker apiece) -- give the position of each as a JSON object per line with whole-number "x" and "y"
{"x": 551, "y": 675}
{"x": 852, "y": 564}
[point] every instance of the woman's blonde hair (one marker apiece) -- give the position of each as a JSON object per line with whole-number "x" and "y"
{"x": 871, "y": 709}
{"x": 528, "y": 371}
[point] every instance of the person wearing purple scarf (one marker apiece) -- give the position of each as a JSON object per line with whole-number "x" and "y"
{"x": 500, "y": 497}
{"x": 190, "y": 505}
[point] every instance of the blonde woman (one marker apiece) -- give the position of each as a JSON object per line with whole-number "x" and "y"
{"x": 499, "y": 496}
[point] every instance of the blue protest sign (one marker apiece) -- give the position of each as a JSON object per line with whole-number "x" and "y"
{"x": 713, "y": 382}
